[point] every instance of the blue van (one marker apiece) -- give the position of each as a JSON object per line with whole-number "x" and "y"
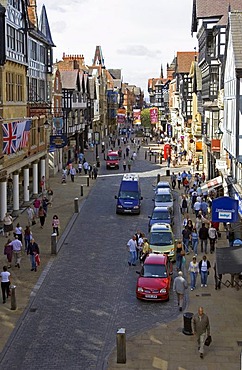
{"x": 129, "y": 196}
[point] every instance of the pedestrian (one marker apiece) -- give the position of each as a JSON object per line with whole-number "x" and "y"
{"x": 50, "y": 196}
{"x": 73, "y": 173}
{"x": 201, "y": 328}
{"x": 30, "y": 215}
{"x": 204, "y": 207}
{"x": 132, "y": 244}
{"x": 8, "y": 252}
{"x": 80, "y": 168}
{"x": 186, "y": 237}
{"x": 173, "y": 180}
{"x": 217, "y": 277}
{"x": 45, "y": 203}
{"x": 197, "y": 207}
{"x": 194, "y": 237}
{"x": 179, "y": 180}
{"x": 168, "y": 160}
{"x": 42, "y": 216}
{"x": 203, "y": 236}
{"x": 204, "y": 266}
{"x": 5, "y": 283}
{"x": 33, "y": 250}
{"x": 179, "y": 254}
{"x": 19, "y": 232}
{"x": 184, "y": 204}
{"x": 129, "y": 164}
{"x": 42, "y": 184}
{"x": 198, "y": 222}
{"x": 85, "y": 167}
{"x": 27, "y": 237}
{"x": 56, "y": 224}
{"x": 213, "y": 236}
{"x": 36, "y": 205}
{"x": 17, "y": 248}
{"x": 193, "y": 269}
{"x": 179, "y": 286}
{"x": 7, "y": 225}
{"x": 145, "y": 250}
{"x": 124, "y": 165}
{"x": 230, "y": 234}
{"x": 95, "y": 171}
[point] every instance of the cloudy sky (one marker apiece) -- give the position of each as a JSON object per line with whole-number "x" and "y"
{"x": 135, "y": 35}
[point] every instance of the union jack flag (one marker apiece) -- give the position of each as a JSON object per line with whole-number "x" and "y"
{"x": 9, "y": 137}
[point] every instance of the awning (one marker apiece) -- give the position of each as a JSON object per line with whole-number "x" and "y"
{"x": 229, "y": 260}
{"x": 212, "y": 184}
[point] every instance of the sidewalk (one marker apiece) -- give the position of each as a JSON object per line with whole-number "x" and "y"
{"x": 165, "y": 347}
{"x": 23, "y": 278}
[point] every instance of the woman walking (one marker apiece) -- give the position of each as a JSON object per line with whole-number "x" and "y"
{"x": 194, "y": 236}
{"x": 56, "y": 224}
{"x": 7, "y": 225}
{"x": 19, "y": 232}
{"x": 193, "y": 269}
{"x": 8, "y": 252}
{"x": 204, "y": 266}
{"x": 5, "y": 283}
{"x": 27, "y": 237}
{"x": 42, "y": 215}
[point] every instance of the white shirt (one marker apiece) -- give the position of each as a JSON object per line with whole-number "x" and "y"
{"x": 132, "y": 245}
{"x": 17, "y": 245}
{"x": 204, "y": 266}
{"x": 5, "y": 276}
{"x": 197, "y": 206}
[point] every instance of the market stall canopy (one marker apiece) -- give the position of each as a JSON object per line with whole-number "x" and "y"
{"x": 212, "y": 184}
{"x": 229, "y": 260}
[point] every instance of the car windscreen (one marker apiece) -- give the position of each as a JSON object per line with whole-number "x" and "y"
{"x": 163, "y": 198}
{"x": 154, "y": 271}
{"x": 161, "y": 215}
{"x": 112, "y": 157}
{"x": 129, "y": 195}
{"x": 161, "y": 238}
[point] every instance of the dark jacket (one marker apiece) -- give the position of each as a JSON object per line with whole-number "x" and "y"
{"x": 33, "y": 248}
{"x": 201, "y": 326}
{"x": 200, "y": 265}
{"x": 203, "y": 233}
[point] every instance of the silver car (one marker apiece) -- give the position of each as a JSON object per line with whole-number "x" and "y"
{"x": 163, "y": 198}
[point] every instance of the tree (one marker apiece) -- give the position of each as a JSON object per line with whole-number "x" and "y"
{"x": 145, "y": 118}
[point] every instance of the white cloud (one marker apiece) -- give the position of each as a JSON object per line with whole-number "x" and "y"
{"x": 136, "y": 36}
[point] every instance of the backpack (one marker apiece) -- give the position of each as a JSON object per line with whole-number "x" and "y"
{"x": 184, "y": 203}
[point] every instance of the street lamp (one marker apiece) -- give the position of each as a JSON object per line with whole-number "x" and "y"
{"x": 218, "y": 133}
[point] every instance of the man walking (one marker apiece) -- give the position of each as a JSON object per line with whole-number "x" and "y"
{"x": 132, "y": 244}
{"x": 72, "y": 173}
{"x": 179, "y": 286}
{"x": 201, "y": 329}
{"x": 32, "y": 250}
{"x": 17, "y": 247}
{"x": 203, "y": 236}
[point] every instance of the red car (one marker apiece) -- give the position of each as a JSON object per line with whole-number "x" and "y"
{"x": 155, "y": 278}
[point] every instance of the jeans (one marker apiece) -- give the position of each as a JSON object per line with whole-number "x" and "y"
{"x": 204, "y": 277}
{"x": 193, "y": 277}
{"x": 186, "y": 245}
{"x": 5, "y": 290}
{"x": 194, "y": 245}
{"x": 205, "y": 243}
{"x": 132, "y": 257}
{"x": 32, "y": 260}
{"x": 178, "y": 261}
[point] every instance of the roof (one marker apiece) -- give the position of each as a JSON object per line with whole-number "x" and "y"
{"x": 69, "y": 79}
{"x": 44, "y": 26}
{"x": 160, "y": 209}
{"x": 154, "y": 258}
{"x": 184, "y": 61}
{"x": 160, "y": 227}
{"x": 236, "y": 34}
{"x": 116, "y": 73}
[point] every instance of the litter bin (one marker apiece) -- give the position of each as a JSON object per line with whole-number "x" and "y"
{"x": 167, "y": 172}
{"x": 187, "y": 318}
{"x": 98, "y": 161}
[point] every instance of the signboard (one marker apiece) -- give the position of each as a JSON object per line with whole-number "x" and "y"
{"x": 215, "y": 145}
{"x": 221, "y": 165}
{"x": 58, "y": 141}
{"x": 204, "y": 128}
{"x": 167, "y": 151}
{"x": 239, "y": 199}
{"x": 153, "y": 116}
{"x": 225, "y": 209}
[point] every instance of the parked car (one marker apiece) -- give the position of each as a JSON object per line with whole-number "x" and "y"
{"x": 162, "y": 185}
{"x": 129, "y": 196}
{"x": 161, "y": 215}
{"x": 154, "y": 279}
{"x": 163, "y": 198}
{"x": 162, "y": 240}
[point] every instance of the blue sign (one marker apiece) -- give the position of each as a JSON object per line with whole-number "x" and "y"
{"x": 58, "y": 141}
{"x": 237, "y": 197}
{"x": 224, "y": 209}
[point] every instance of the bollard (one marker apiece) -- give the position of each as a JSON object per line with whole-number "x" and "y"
{"x": 145, "y": 154}
{"x": 150, "y": 157}
{"x": 76, "y": 205}
{"x": 88, "y": 181}
{"x": 160, "y": 159}
{"x": 158, "y": 178}
{"x": 121, "y": 346}
{"x": 54, "y": 243}
{"x": 187, "y": 318}
{"x": 13, "y": 297}
{"x": 155, "y": 158}
{"x": 81, "y": 190}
